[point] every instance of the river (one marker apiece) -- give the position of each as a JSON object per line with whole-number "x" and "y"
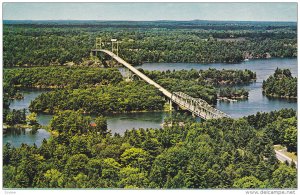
{"x": 118, "y": 123}
{"x": 256, "y": 101}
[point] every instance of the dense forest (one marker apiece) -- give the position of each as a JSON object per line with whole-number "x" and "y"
{"x": 280, "y": 126}
{"x": 281, "y": 84}
{"x": 233, "y": 93}
{"x": 60, "y": 77}
{"x": 211, "y": 76}
{"x": 221, "y": 153}
{"x": 43, "y": 43}
{"x": 14, "y": 117}
{"x": 122, "y": 97}
{"x": 203, "y": 83}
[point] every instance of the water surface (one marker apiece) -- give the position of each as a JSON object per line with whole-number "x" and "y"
{"x": 257, "y": 102}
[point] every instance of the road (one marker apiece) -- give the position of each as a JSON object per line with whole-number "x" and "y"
{"x": 280, "y": 156}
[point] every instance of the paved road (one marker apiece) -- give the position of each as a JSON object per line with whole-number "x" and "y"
{"x": 280, "y": 156}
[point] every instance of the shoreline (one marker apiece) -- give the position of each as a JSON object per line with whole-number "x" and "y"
{"x": 279, "y": 97}
{"x": 147, "y": 62}
{"x": 106, "y": 113}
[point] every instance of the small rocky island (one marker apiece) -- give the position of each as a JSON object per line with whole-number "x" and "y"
{"x": 232, "y": 94}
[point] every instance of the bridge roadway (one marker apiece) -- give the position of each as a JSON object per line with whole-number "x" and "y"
{"x": 197, "y": 106}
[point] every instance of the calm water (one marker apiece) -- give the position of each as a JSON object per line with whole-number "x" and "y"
{"x": 256, "y": 102}
{"x": 17, "y": 136}
{"x": 118, "y": 123}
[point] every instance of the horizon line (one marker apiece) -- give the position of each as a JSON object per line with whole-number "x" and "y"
{"x": 145, "y": 20}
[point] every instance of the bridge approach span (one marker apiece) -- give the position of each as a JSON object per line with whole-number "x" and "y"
{"x": 197, "y": 106}
{"x": 137, "y": 72}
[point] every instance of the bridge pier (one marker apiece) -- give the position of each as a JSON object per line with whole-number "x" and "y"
{"x": 128, "y": 75}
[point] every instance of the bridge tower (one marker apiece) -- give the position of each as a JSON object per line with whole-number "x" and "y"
{"x": 114, "y": 45}
{"x": 103, "y": 44}
{"x": 98, "y": 45}
{"x": 116, "y": 48}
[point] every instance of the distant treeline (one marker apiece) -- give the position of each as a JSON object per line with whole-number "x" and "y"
{"x": 196, "y": 24}
{"x": 45, "y": 43}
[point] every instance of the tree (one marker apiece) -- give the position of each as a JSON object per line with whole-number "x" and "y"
{"x": 152, "y": 145}
{"x": 70, "y": 123}
{"x": 290, "y": 138}
{"x": 53, "y": 179}
{"x": 133, "y": 178}
{"x": 9, "y": 176}
{"x": 247, "y": 182}
{"x": 136, "y": 158}
{"x": 81, "y": 181}
{"x": 15, "y": 117}
{"x": 31, "y": 118}
{"x": 110, "y": 171}
{"x": 22, "y": 180}
{"x": 284, "y": 177}
{"x": 94, "y": 168}
{"x": 79, "y": 145}
{"x": 76, "y": 164}
{"x": 101, "y": 125}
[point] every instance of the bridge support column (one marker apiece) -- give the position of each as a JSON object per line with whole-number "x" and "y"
{"x": 170, "y": 102}
{"x": 128, "y": 75}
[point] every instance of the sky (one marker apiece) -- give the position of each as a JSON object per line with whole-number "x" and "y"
{"x": 151, "y": 11}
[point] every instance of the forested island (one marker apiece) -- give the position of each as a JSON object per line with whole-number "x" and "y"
{"x": 122, "y": 97}
{"x": 43, "y": 43}
{"x": 219, "y": 153}
{"x": 229, "y": 94}
{"x": 281, "y": 84}
{"x": 211, "y": 76}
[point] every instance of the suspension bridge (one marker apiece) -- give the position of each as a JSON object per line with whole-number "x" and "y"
{"x": 197, "y": 106}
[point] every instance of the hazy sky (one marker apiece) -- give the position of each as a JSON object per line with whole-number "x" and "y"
{"x": 151, "y": 11}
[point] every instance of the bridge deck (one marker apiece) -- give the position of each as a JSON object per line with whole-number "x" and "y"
{"x": 197, "y": 106}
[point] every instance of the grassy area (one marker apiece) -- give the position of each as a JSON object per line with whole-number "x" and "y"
{"x": 291, "y": 155}
{"x": 278, "y": 147}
